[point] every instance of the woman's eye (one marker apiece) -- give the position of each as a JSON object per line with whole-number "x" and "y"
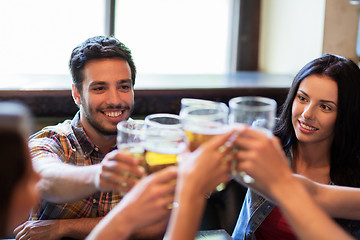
{"x": 325, "y": 107}
{"x": 301, "y": 98}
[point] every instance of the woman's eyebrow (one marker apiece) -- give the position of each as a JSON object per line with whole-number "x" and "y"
{"x": 324, "y": 101}
{"x": 303, "y": 93}
{"x": 328, "y": 101}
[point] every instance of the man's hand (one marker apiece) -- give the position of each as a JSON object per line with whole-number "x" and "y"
{"x": 118, "y": 171}
{"x": 37, "y": 230}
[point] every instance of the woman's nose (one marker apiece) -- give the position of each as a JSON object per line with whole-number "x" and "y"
{"x": 308, "y": 112}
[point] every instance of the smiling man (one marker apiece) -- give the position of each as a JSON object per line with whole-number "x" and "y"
{"x": 82, "y": 178}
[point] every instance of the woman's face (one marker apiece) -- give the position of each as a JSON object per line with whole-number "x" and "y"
{"x": 314, "y": 109}
{"x": 24, "y": 197}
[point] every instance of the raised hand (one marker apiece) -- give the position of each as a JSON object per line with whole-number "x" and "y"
{"x": 118, "y": 171}
{"x": 262, "y": 157}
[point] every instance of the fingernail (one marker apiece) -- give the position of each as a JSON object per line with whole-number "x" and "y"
{"x": 141, "y": 169}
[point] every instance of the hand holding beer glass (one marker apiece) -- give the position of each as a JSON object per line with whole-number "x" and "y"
{"x": 257, "y": 112}
{"x": 164, "y": 142}
{"x": 130, "y": 139}
{"x": 202, "y": 120}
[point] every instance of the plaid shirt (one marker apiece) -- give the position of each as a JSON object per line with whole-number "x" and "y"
{"x": 68, "y": 143}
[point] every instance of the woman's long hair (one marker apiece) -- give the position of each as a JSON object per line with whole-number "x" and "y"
{"x": 344, "y": 162}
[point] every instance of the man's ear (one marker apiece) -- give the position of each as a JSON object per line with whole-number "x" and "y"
{"x": 75, "y": 94}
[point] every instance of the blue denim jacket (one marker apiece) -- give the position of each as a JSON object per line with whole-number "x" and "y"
{"x": 253, "y": 212}
{"x": 255, "y": 209}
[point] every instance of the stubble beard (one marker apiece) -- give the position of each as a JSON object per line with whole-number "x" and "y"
{"x": 88, "y": 113}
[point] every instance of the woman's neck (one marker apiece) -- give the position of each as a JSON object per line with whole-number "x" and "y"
{"x": 312, "y": 161}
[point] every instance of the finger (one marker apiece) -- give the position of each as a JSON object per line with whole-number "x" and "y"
{"x": 19, "y": 228}
{"x": 165, "y": 175}
{"x": 245, "y": 155}
{"x": 251, "y": 139}
{"x": 123, "y": 157}
{"x": 115, "y": 181}
{"x": 123, "y": 169}
{"x": 165, "y": 189}
{"x": 251, "y": 133}
{"x": 219, "y": 140}
{"x": 21, "y": 235}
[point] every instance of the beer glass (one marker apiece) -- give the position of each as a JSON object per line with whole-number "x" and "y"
{"x": 191, "y": 102}
{"x": 164, "y": 141}
{"x": 130, "y": 137}
{"x": 257, "y": 112}
{"x": 202, "y": 120}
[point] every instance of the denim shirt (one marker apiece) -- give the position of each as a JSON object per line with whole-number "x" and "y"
{"x": 255, "y": 209}
{"x": 253, "y": 212}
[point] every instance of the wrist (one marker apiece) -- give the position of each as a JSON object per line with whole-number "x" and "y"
{"x": 288, "y": 189}
{"x": 188, "y": 186}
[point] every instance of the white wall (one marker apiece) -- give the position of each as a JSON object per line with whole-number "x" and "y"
{"x": 340, "y": 30}
{"x": 291, "y": 34}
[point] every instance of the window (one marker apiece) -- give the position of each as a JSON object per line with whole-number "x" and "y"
{"x": 176, "y": 36}
{"x": 166, "y": 37}
{"x": 39, "y": 35}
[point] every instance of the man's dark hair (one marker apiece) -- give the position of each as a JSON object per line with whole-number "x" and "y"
{"x": 99, "y": 47}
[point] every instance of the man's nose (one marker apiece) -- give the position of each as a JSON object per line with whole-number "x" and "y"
{"x": 114, "y": 97}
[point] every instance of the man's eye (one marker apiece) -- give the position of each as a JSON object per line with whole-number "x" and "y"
{"x": 125, "y": 87}
{"x": 98, "y": 89}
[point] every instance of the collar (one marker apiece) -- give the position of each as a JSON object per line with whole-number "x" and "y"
{"x": 85, "y": 142}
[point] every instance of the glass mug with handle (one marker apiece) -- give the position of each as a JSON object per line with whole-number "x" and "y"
{"x": 130, "y": 139}
{"x": 202, "y": 120}
{"x": 164, "y": 141}
{"x": 257, "y": 112}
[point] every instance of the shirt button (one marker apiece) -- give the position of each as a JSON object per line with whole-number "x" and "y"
{"x": 96, "y": 149}
{"x": 94, "y": 200}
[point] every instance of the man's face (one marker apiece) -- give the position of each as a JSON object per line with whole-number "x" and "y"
{"x": 107, "y": 95}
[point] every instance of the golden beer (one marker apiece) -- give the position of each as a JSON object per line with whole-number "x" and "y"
{"x": 136, "y": 150}
{"x": 157, "y": 159}
{"x": 196, "y": 137}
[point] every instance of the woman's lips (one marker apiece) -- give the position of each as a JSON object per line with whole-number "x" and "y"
{"x": 306, "y": 128}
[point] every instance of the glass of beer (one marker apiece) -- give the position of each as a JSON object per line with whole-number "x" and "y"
{"x": 203, "y": 120}
{"x": 130, "y": 137}
{"x": 257, "y": 112}
{"x": 191, "y": 102}
{"x": 164, "y": 141}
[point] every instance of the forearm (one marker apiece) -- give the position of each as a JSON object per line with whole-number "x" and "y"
{"x": 78, "y": 228}
{"x": 340, "y": 202}
{"x": 62, "y": 183}
{"x": 337, "y": 201}
{"x": 154, "y": 232}
{"x": 185, "y": 219}
{"x": 113, "y": 226}
{"x": 300, "y": 209}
